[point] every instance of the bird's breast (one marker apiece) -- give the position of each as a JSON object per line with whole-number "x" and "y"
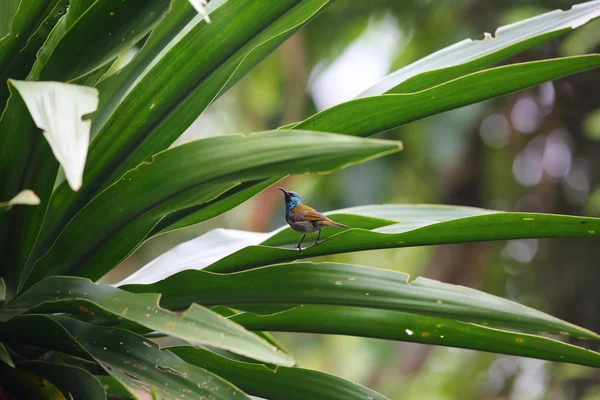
{"x": 302, "y": 226}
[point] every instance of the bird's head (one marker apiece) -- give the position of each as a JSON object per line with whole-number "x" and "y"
{"x": 291, "y": 199}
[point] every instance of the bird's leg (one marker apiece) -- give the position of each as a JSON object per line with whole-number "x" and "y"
{"x": 318, "y": 239}
{"x": 300, "y": 242}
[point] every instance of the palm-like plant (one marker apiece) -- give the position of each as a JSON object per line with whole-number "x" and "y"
{"x": 85, "y": 157}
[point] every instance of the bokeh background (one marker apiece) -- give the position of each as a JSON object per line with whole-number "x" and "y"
{"x": 538, "y": 150}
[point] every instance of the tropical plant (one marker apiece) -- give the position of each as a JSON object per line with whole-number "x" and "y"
{"x": 86, "y": 157}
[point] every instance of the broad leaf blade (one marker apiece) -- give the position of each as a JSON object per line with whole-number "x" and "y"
{"x": 468, "y": 56}
{"x": 374, "y": 227}
{"x": 98, "y": 32}
{"x": 371, "y": 115}
{"x": 341, "y": 284}
{"x": 276, "y": 384}
{"x": 179, "y": 85}
{"x": 410, "y": 327}
{"x": 204, "y": 212}
{"x": 129, "y": 358}
{"x": 185, "y": 176}
{"x": 114, "y": 387}
{"x": 77, "y": 382}
{"x": 196, "y": 325}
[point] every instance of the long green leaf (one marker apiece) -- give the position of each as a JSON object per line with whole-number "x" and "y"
{"x": 409, "y": 327}
{"x": 196, "y": 325}
{"x": 218, "y": 206}
{"x": 57, "y": 109}
{"x": 195, "y": 173}
{"x": 77, "y": 382}
{"x": 341, "y": 284}
{"x": 97, "y": 33}
{"x": 113, "y": 88}
{"x": 181, "y": 83}
{"x": 114, "y": 387}
{"x": 371, "y": 115}
{"x": 133, "y": 360}
{"x": 34, "y": 20}
{"x": 5, "y": 357}
{"x": 276, "y": 384}
{"x": 374, "y": 227}
{"x": 468, "y": 56}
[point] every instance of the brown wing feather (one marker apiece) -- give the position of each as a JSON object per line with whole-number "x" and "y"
{"x": 303, "y": 212}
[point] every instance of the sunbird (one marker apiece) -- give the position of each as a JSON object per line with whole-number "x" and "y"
{"x": 305, "y": 219}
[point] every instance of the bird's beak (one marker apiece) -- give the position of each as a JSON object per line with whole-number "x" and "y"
{"x": 283, "y": 190}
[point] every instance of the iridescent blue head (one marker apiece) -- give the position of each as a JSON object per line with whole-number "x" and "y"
{"x": 291, "y": 200}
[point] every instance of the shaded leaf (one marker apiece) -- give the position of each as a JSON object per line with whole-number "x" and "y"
{"x": 141, "y": 365}
{"x": 25, "y": 385}
{"x": 276, "y": 384}
{"x": 101, "y": 235}
{"x": 73, "y": 381}
{"x": 341, "y": 284}
{"x": 114, "y": 387}
{"x": 196, "y": 325}
{"x": 221, "y": 204}
{"x": 130, "y": 358}
{"x": 98, "y": 31}
{"x": 179, "y": 84}
{"x": 409, "y": 327}
{"x": 5, "y": 357}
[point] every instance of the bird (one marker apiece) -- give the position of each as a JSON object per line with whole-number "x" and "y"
{"x": 305, "y": 219}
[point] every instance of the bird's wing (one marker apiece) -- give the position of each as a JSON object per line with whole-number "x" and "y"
{"x": 303, "y": 212}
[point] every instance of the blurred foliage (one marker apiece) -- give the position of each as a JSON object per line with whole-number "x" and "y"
{"x": 537, "y": 150}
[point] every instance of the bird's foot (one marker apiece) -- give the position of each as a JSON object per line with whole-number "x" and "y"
{"x": 299, "y": 249}
{"x": 316, "y": 242}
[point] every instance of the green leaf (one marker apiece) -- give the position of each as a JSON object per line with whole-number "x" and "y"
{"x": 98, "y": 31}
{"x": 131, "y": 359}
{"x": 24, "y": 385}
{"x": 371, "y": 115}
{"x": 115, "y": 388}
{"x": 33, "y": 23}
{"x": 409, "y": 327}
{"x": 216, "y": 207}
{"x": 468, "y": 56}
{"x": 5, "y": 357}
{"x": 143, "y": 366}
{"x": 341, "y": 284}
{"x": 77, "y": 382}
{"x": 374, "y": 227}
{"x": 100, "y": 235}
{"x": 115, "y": 87}
{"x": 2, "y": 290}
{"x": 276, "y": 384}
{"x": 57, "y": 109}
{"x": 8, "y": 9}
{"x": 196, "y": 325}
{"x": 179, "y": 85}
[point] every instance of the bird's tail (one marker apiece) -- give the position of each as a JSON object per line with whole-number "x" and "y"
{"x": 333, "y": 223}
